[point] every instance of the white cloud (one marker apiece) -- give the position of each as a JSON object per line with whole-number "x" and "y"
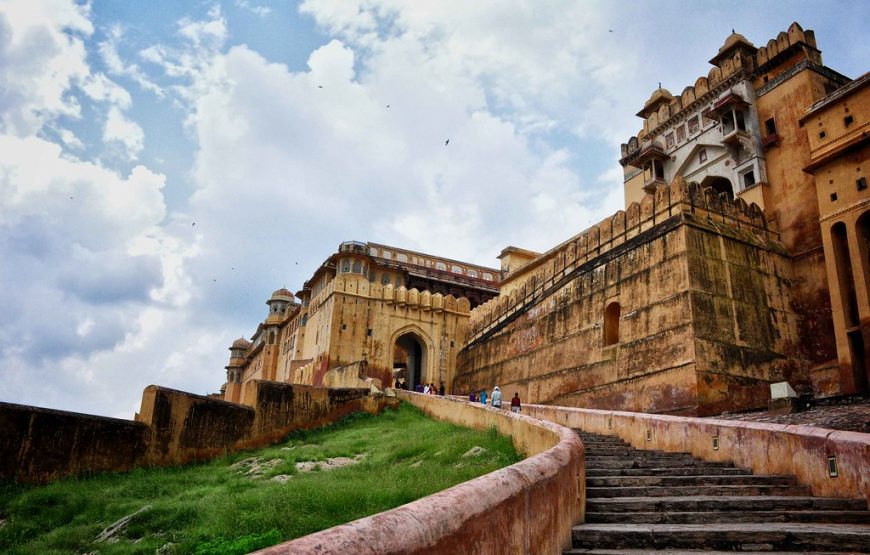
{"x": 125, "y": 132}
{"x": 41, "y": 56}
{"x": 261, "y": 11}
{"x": 108, "y": 50}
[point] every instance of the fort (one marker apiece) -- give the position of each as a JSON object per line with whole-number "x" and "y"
{"x": 741, "y": 260}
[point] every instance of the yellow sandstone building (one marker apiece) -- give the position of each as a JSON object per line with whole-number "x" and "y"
{"x": 740, "y": 260}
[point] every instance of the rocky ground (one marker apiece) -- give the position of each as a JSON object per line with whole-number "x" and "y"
{"x": 847, "y": 414}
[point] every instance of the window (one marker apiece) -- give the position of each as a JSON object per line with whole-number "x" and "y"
{"x": 681, "y": 133}
{"x": 748, "y": 179}
{"x": 848, "y": 120}
{"x": 369, "y": 332}
{"x": 440, "y": 266}
{"x": 456, "y": 269}
{"x": 770, "y": 126}
{"x": 385, "y": 279}
{"x": 861, "y": 183}
{"x": 611, "y": 324}
{"x": 702, "y": 155}
{"x": 833, "y": 197}
{"x": 822, "y": 134}
{"x": 669, "y": 140}
{"x": 693, "y": 125}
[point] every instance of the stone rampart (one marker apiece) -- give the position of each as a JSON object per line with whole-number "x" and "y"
{"x": 530, "y": 283}
{"x": 680, "y": 305}
{"x": 173, "y": 427}
{"x": 528, "y": 507}
{"x": 39, "y": 445}
{"x": 771, "y": 449}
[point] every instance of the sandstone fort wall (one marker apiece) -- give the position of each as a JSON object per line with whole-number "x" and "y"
{"x": 704, "y": 317}
{"x": 174, "y": 427}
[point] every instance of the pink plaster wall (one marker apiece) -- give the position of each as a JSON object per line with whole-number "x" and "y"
{"x": 528, "y": 507}
{"x": 801, "y": 451}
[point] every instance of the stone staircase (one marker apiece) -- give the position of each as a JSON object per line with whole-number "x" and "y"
{"x": 651, "y": 501}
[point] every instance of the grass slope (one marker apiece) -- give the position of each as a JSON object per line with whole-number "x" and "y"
{"x": 212, "y": 508}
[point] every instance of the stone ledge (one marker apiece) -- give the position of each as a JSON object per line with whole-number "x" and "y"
{"x": 801, "y": 451}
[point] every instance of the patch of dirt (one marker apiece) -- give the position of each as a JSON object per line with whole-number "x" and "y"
{"x": 416, "y": 464}
{"x": 111, "y": 532}
{"x": 475, "y": 451}
{"x": 329, "y": 464}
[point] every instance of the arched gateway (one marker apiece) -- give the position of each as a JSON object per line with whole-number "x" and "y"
{"x": 410, "y": 357}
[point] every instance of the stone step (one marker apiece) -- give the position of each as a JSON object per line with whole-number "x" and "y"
{"x": 672, "y": 471}
{"x": 700, "y": 517}
{"x": 643, "y": 455}
{"x": 680, "y": 552}
{"x": 675, "y": 491}
{"x": 702, "y": 480}
{"x": 654, "y": 463}
{"x": 742, "y": 536}
{"x": 722, "y": 503}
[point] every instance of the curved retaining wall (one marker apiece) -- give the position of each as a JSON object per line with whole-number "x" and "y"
{"x": 528, "y": 507}
{"x": 802, "y": 451}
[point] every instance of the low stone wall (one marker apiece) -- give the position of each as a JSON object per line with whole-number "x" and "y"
{"x": 39, "y": 445}
{"x": 173, "y": 427}
{"x": 528, "y": 507}
{"x": 802, "y": 451}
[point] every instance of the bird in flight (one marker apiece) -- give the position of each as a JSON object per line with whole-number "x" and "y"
{"x": 319, "y": 86}
{"x": 610, "y": 30}
{"x": 446, "y": 142}
{"x": 388, "y": 105}
{"x": 193, "y": 224}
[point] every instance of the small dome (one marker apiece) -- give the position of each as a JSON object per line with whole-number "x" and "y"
{"x": 734, "y": 42}
{"x": 281, "y": 295}
{"x": 733, "y": 39}
{"x": 241, "y": 343}
{"x": 657, "y": 98}
{"x": 659, "y": 94}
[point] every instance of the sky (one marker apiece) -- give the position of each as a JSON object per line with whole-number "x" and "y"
{"x": 164, "y": 165}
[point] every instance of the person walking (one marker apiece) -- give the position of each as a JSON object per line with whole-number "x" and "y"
{"x": 471, "y": 397}
{"x": 483, "y": 396}
{"x": 441, "y": 389}
{"x": 496, "y": 397}
{"x": 426, "y": 389}
{"x": 515, "y": 403}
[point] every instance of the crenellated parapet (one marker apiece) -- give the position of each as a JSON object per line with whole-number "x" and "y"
{"x": 737, "y": 59}
{"x": 534, "y": 281}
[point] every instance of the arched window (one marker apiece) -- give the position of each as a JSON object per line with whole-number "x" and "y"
{"x": 440, "y": 266}
{"x": 611, "y": 324}
{"x": 401, "y": 257}
{"x": 456, "y": 269}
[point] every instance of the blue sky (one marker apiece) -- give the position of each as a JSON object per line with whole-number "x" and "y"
{"x": 165, "y": 165}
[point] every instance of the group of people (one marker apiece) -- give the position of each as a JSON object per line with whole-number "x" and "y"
{"x": 496, "y": 399}
{"x": 429, "y": 389}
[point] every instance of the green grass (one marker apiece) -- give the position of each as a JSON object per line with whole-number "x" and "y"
{"x": 210, "y": 508}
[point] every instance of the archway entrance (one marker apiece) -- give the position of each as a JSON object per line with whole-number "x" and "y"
{"x": 719, "y": 184}
{"x": 409, "y": 359}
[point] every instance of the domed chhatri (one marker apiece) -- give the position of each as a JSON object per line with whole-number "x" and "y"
{"x": 734, "y": 42}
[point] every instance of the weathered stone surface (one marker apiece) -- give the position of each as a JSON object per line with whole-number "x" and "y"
{"x": 111, "y": 532}
{"x": 330, "y": 463}
{"x": 704, "y": 324}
